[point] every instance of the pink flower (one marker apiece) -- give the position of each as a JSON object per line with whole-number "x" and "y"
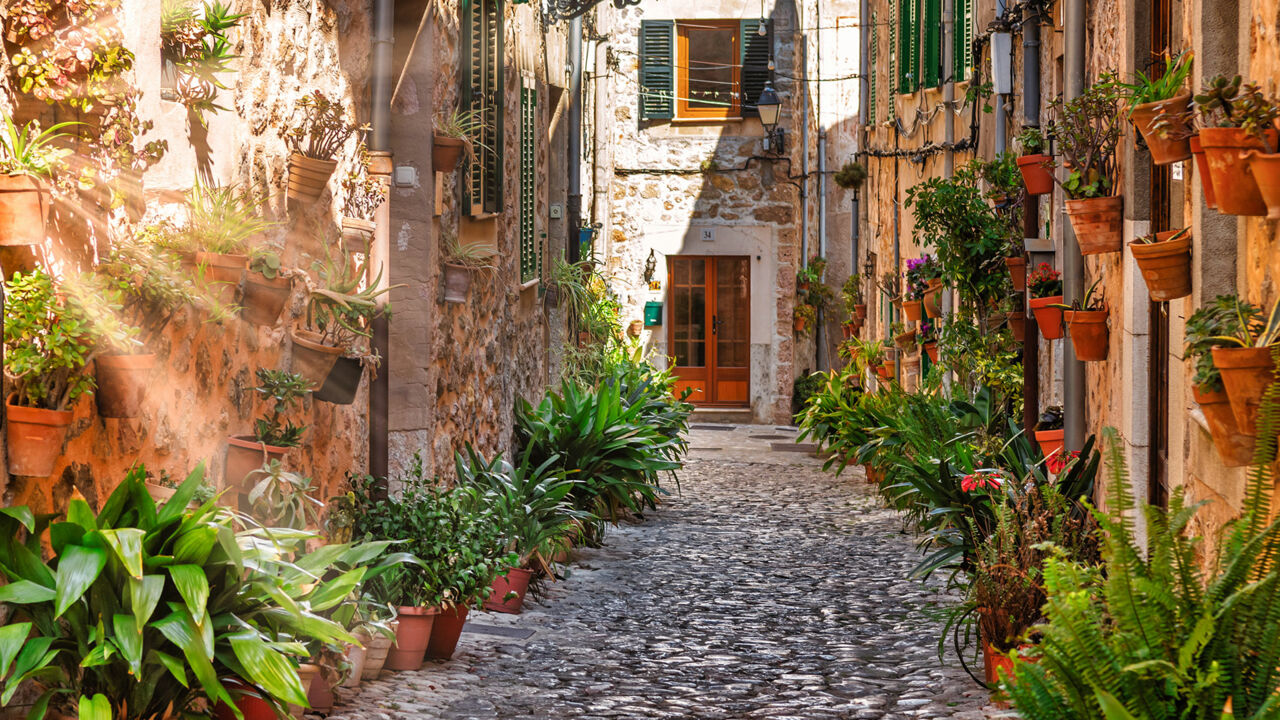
{"x": 981, "y": 480}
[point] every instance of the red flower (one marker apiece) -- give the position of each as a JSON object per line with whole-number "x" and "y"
{"x": 1061, "y": 460}
{"x": 981, "y": 480}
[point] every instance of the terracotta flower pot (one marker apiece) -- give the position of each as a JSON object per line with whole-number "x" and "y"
{"x": 342, "y": 383}
{"x": 912, "y": 309}
{"x": 24, "y": 208}
{"x": 446, "y": 632}
{"x": 1233, "y": 185}
{"x": 1235, "y": 448}
{"x": 1048, "y": 318}
{"x": 356, "y": 655}
{"x": 248, "y": 700}
{"x": 1164, "y": 150}
{"x": 886, "y": 370}
{"x": 860, "y": 311}
{"x": 320, "y": 695}
{"x": 1088, "y": 329}
{"x": 1017, "y": 325}
{"x": 799, "y": 324}
{"x": 1265, "y": 169}
{"x": 308, "y": 674}
{"x": 933, "y": 299}
{"x": 357, "y": 234}
{"x": 1017, "y": 272}
{"x": 1246, "y": 373}
{"x": 244, "y": 455}
{"x": 1050, "y": 441}
{"x": 375, "y": 657}
{"x": 848, "y": 329}
{"x": 264, "y": 299}
{"x": 516, "y": 581}
{"x": 224, "y": 272}
{"x": 931, "y": 349}
{"x": 122, "y": 383}
{"x": 308, "y": 177}
{"x": 1035, "y": 174}
{"x": 1165, "y": 265}
{"x": 1202, "y": 169}
{"x": 312, "y": 359}
{"x": 905, "y": 340}
{"x": 446, "y": 152}
{"x": 412, "y": 637}
{"x": 35, "y": 438}
{"x": 1098, "y": 223}
{"x": 457, "y": 279}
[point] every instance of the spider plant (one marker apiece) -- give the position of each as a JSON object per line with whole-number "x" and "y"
{"x": 29, "y": 150}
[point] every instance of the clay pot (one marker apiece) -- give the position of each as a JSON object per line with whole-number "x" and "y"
{"x": 1246, "y": 373}
{"x": 933, "y": 299}
{"x": 308, "y": 177}
{"x": 1017, "y": 325}
{"x": 224, "y": 272}
{"x": 905, "y": 340}
{"x": 860, "y": 311}
{"x": 24, "y": 208}
{"x": 931, "y": 349}
{"x": 122, "y": 383}
{"x": 1265, "y": 169}
{"x": 1098, "y": 223}
{"x": 312, "y": 359}
{"x": 1048, "y": 318}
{"x": 35, "y": 437}
{"x": 1165, "y": 265}
{"x": 1164, "y": 150}
{"x": 357, "y": 234}
{"x": 1234, "y": 447}
{"x": 1050, "y": 441}
{"x": 885, "y": 370}
{"x": 446, "y": 152}
{"x": 911, "y": 310}
{"x": 248, "y": 700}
{"x": 245, "y": 455}
{"x": 342, "y": 383}
{"x": 356, "y": 655}
{"x": 309, "y": 674}
{"x": 446, "y": 631}
{"x": 412, "y": 637}
{"x": 320, "y": 695}
{"x": 457, "y": 279}
{"x": 264, "y": 299}
{"x": 375, "y": 657}
{"x": 799, "y": 324}
{"x": 1035, "y": 174}
{"x": 516, "y": 580}
{"x": 1202, "y": 169}
{"x": 1017, "y": 272}
{"x": 1089, "y": 336}
{"x": 1233, "y": 185}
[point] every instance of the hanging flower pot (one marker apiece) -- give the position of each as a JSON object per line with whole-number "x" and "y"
{"x": 1225, "y": 150}
{"x": 446, "y": 631}
{"x": 245, "y": 455}
{"x": 1089, "y": 336}
{"x": 342, "y": 383}
{"x": 1017, "y": 272}
{"x": 885, "y": 370}
{"x": 312, "y": 358}
{"x": 224, "y": 271}
{"x": 848, "y": 329}
{"x": 1265, "y": 169}
{"x": 905, "y": 340}
{"x": 1017, "y": 322}
{"x": 1165, "y": 265}
{"x": 1235, "y": 448}
{"x": 860, "y": 311}
{"x": 1098, "y": 223}
{"x": 799, "y": 323}
{"x": 1048, "y": 318}
{"x": 1246, "y": 373}
{"x": 446, "y": 152}
{"x": 24, "y": 208}
{"x": 264, "y": 298}
{"x": 1202, "y": 169}
{"x": 357, "y": 234}
{"x": 457, "y": 279}
{"x": 911, "y": 310}
{"x": 1050, "y": 441}
{"x": 1035, "y": 173}
{"x": 412, "y": 637}
{"x": 1167, "y": 145}
{"x": 375, "y": 657}
{"x": 931, "y": 349}
{"x": 933, "y": 299}
{"x": 122, "y": 383}
{"x": 508, "y": 591}
{"x": 35, "y": 438}
{"x": 308, "y": 177}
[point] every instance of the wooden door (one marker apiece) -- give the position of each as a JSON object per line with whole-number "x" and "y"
{"x": 709, "y": 327}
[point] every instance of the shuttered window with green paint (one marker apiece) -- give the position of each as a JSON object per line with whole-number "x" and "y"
{"x": 962, "y": 62}
{"x": 482, "y": 47}
{"x": 757, "y": 52}
{"x": 657, "y": 69}
{"x": 931, "y": 39}
{"x": 908, "y": 31}
{"x": 530, "y": 248}
{"x": 871, "y": 73}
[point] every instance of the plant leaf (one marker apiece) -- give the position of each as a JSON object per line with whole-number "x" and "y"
{"x": 78, "y": 568}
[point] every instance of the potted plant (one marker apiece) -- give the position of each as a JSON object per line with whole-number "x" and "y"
{"x": 1033, "y": 163}
{"x": 931, "y": 272}
{"x": 28, "y": 158}
{"x": 1220, "y": 317}
{"x": 1226, "y": 106}
{"x": 902, "y": 337}
{"x": 1049, "y": 432}
{"x": 1244, "y": 359}
{"x": 197, "y": 43}
{"x": 803, "y": 317}
{"x": 273, "y": 433}
{"x": 1016, "y": 262}
{"x": 1087, "y": 129}
{"x": 338, "y": 324}
{"x": 1151, "y": 100}
{"x": 454, "y": 136}
{"x": 1016, "y": 319}
{"x": 1258, "y": 118}
{"x": 928, "y": 337}
{"x": 1003, "y": 180}
{"x": 278, "y": 498}
{"x": 851, "y": 175}
{"x": 460, "y": 261}
{"x": 1086, "y": 322}
{"x": 1045, "y": 287}
{"x": 267, "y": 287}
{"x": 1165, "y": 261}
{"x": 165, "y": 486}
{"x": 852, "y": 292}
{"x": 221, "y": 222}
{"x": 315, "y": 143}
{"x": 364, "y": 195}
{"x": 914, "y": 287}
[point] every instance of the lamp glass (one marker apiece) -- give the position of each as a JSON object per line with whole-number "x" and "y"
{"x": 769, "y": 105}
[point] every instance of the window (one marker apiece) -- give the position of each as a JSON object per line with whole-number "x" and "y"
{"x": 919, "y": 49}
{"x": 482, "y": 94}
{"x": 873, "y": 52}
{"x": 703, "y": 68}
{"x": 962, "y": 63}
{"x": 530, "y": 248}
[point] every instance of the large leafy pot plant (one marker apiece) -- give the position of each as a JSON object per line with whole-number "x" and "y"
{"x": 1087, "y": 130}
{"x": 148, "y": 612}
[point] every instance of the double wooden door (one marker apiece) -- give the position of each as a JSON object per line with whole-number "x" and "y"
{"x": 709, "y": 327}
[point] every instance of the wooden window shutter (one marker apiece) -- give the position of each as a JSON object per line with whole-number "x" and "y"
{"x": 932, "y": 41}
{"x": 482, "y": 92}
{"x": 872, "y": 54}
{"x": 756, "y": 51}
{"x": 962, "y": 63}
{"x": 908, "y": 46}
{"x": 657, "y": 69}
{"x": 530, "y": 255}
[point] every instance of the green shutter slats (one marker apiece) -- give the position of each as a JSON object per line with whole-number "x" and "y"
{"x": 962, "y": 62}
{"x": 482, "y": 94}
{"x": 873, "y": 53}
{"x": 931, "y": 62}
{"x": 657, "y": 69}
{"x": 530, "y": 255}
{"x": 755, "y": 51}
{"x": 908, "y": 46}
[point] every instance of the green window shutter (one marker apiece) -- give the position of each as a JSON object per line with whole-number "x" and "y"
{"x": 908, "y": 46}
{"x": 962, "y": 63}
{"x": 756, "y": 51}
{"x": 483, "y": 70}
{"x": 657, "y": 69}
{"x": 530, "y": 257}
{"x": 932, "y": 42}
{"x": 873, "y": 53}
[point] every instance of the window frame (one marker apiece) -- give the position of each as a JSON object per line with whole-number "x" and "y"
{"x": 683, "y": 110}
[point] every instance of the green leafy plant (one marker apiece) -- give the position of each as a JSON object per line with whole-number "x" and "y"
{"x": 1050, "y": 419}
{"x": 221, "y": 219}
{"x": 852, "y": 293}
{"x": 1031, "y": 140}
{"x": 474, "y": 255}
{"x": 810, "y": 288}
{"x": 1249, "y": 329}
{"x": 282, "y": 499}
{"x": 48, "y": 341}
{"x": 851, "y": 175}
{"x": 1091, "y": 301}
{"x": 1222, "y": 317}
{"x": 364, "y": 192}
{"x": 1087, "y": 130}
{"x": 284, "y": 391}
{"x": 198, "y": 43}
{"x": 28, "y": 150}
{"x": 1150, "y": 238}
{"x": 1044, "y": 281}
{"x": 341, "y": 308}
{"x": 266, "y": 262}
{"x": 1166, "y": 85}
{"x": 323, "y": 128}
{"x": 1002, "y": 177}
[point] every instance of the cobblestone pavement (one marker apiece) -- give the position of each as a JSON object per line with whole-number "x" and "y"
{"x": 764, "y": 589}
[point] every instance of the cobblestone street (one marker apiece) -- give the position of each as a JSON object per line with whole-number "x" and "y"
{"x": 764, "y": 588}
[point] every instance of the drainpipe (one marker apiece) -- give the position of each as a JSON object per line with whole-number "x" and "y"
{"x": 804, "y": 150}
{"x": 574, "y": 130}
{"x": 1002, "y": 140}
{"x": 1031, "y": 217}
{"x": 949, "y": 118}
{"x": 864, "y": 102}
{"x": 819, "y": 335}
{"x": 1072, "y": 262}
{"x": 380, "y": 147}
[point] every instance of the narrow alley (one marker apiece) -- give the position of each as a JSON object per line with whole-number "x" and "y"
{"x": 764, "y": 588}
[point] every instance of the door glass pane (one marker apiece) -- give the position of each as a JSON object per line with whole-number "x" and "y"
{"x": 733, "y": 313}
{"x": 711, "y": 59}
{"x": 689, "y": 312}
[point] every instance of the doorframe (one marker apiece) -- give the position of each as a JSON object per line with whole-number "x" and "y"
{"x": 710, "y": 305}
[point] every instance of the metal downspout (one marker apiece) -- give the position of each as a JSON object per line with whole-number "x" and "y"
{"x": 864, "y": 104}
{"x": 949, "y": 120}
{"x": 574, "y": 144}
{"x": 1031, "y": 218}
{"x": 380, "y": 145}
{"x": 1072, "y": 263}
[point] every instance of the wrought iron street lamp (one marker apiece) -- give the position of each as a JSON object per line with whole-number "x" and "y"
{"x": 769, "y": 105}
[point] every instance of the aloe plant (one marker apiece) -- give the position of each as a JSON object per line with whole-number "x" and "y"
{"x": 30, "y": 150}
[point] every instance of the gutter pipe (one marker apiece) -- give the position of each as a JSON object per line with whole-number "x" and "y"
{"x": 1072, "y": 262}
{"x": 383, "y": 43}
